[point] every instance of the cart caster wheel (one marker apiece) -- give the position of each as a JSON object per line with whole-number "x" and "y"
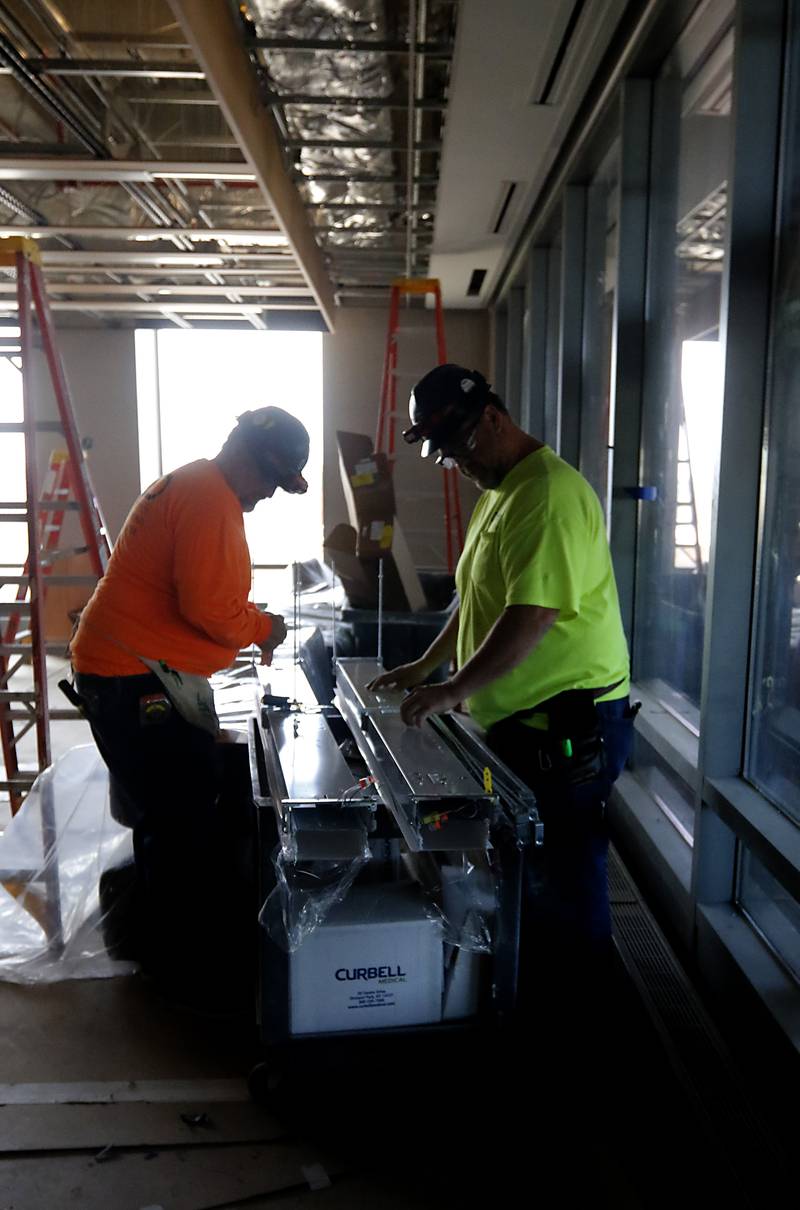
{"x": 264, "y": 1084}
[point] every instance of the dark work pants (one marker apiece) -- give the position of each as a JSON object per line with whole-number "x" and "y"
{"x": 566, "y": 924}
{"x": 192, "y": 844}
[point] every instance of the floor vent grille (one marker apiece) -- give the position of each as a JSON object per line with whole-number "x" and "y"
{"x": 698, "y": 1055}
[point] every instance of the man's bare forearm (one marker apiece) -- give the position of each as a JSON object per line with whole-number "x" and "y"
{"x": 513, "y": 637}
{"x": 442, "y": 648}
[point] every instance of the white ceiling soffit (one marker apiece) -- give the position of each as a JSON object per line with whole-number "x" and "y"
{"x": 508, "y": 55}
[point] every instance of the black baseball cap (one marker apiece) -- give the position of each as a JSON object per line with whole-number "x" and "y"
{"x": 279, "y": 443}
{"x": 448, "y": 400}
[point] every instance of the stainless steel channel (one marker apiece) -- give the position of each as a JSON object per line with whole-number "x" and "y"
{"x": 321, "y": 813}
{"x": 426, "y": 764}
{"x": 437, "y": 803}
{"x": 312, "y": 767}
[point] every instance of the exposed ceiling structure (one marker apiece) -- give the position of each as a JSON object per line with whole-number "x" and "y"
{"x": 195, "y": 158}
{"x": 199, "y": 161}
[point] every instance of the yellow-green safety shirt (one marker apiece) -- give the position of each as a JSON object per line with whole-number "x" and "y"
{"x": 540, "y": 539}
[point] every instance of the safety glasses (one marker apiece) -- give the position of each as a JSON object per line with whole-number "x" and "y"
{"x": 461, "y": 444}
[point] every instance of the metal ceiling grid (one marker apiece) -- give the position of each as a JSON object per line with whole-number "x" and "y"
{"x": 118, "y": 140}
{"x": 359, "y": 93}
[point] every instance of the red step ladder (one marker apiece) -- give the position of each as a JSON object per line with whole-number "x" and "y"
{"x": 385, "y": 436}
{"x": 67, "y": 487}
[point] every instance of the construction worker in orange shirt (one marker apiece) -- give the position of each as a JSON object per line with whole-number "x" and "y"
{"x": 172, "y": 609}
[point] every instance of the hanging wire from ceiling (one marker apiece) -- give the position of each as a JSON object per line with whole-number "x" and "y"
{"x": 410, "y": 131}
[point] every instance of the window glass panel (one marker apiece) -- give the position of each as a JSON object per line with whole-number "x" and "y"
{"x": 774, "y": 749}
{"x": 552, "y": 417}
{"x": 596, "y": 438}
{"x": 670, "y": 792}
{"x": 773, "y": 911}
{"x": 683, "y": 403}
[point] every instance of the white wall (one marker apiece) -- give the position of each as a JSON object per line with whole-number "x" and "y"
{"x": 352, "y": 372}
{"x": 101, "y": 373}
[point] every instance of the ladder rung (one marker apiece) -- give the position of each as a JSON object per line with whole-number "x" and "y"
{"x": 44, "y": 506}
{"x": 22, "y": 781}
{"x": 415, "y": 374}
{"x": 73, "y": 580}
{"x": 10, "y": 609}
{"x": 25, "y": 648}
{"x": 41, "y": 426}
{"x": 52, "y": 556}
{"x": 24, "y": 716}
{"x": 87, "y": 579}
{"x": 18, "y": 695}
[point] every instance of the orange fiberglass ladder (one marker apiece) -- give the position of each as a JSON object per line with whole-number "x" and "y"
{"x": 385, "y": 437}
{"x": 67, "y": 488}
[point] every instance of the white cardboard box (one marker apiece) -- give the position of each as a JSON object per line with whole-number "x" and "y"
{"x": 375, "y": 963}
{"x": 468, "y": 903}
{"x": 463, "y": 985}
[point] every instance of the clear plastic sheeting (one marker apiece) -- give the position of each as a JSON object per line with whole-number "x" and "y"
{"x": 303, "y": 896}
{"x": 460, "y": 893}
{"x": 469, "y": 902}
{"x": 462, "y": 889}
{"x": 52, "y": 856}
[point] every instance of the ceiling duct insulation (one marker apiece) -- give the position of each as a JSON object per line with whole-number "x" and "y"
{"x": 123, "y": 242}
{"x": 361, "y": 132}
{"x": 357, "y": 192}
{"x": 51, "y": 115}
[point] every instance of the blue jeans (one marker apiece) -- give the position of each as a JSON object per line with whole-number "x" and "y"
{"x": 566, "y": 921}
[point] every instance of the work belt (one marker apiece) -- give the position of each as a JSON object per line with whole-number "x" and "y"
{"x": 571, "y": 746}
{"x": 574, "y": 708}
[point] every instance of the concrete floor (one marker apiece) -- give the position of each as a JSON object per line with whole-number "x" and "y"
{"x": 113, "y": 1098}
{"x": 98, "y": 1073}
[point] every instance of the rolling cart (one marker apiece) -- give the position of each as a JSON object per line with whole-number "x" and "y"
{"x": 391, "y": 864}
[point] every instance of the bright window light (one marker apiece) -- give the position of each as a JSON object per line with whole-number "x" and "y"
{"x": 192, "y": 385}
{"x": 702, "y": 380}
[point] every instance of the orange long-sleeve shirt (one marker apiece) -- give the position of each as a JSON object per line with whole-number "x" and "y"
{"x": 177, "y": 583}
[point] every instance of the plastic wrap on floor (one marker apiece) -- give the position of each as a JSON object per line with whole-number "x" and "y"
{"x": 52, "y": 856}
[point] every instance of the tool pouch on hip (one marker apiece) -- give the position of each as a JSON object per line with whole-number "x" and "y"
{"x": 571, "y": 749}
